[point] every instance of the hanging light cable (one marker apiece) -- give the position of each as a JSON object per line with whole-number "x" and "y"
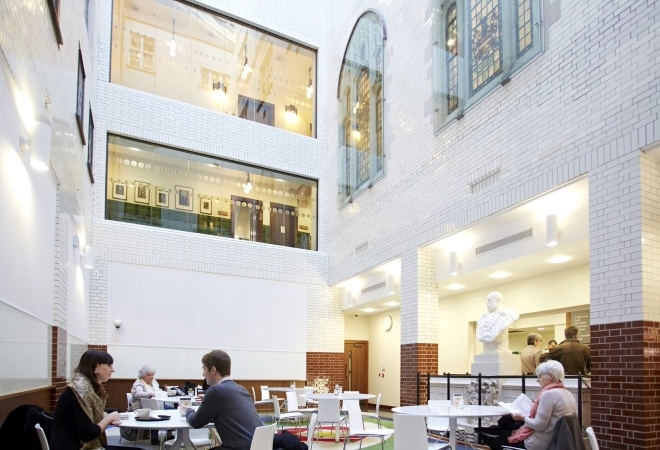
{"x": 173, "y": 42}
{"x": 246, "y": 66}
{"x": 310, "y": 87}
{"x": 247, "y": 186}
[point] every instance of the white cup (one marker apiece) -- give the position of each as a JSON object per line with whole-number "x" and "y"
{"x": 143, "y": 413}
{"x": 184, "y": 401}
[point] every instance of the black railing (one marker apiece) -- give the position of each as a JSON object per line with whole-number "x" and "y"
{"x": 427, "y": 377}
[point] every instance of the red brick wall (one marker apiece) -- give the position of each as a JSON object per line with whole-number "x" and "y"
{"x": 625, "y": 395}
{"x": 416, "y": 358}
{"x": 58, "y": 365}
{"x": 326, "y": 365}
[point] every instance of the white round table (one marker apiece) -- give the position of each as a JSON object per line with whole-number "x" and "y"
{"x": 453, "y": 413}
{"x": 175, "y": 422}
{"x": 279, "y": 389}
{"x": 342, "y": 396}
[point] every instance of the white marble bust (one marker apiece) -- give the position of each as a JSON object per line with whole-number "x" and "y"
{"x": 492, "y": 326}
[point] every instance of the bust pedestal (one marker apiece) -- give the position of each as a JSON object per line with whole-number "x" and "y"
{"x": 495, "y": 364}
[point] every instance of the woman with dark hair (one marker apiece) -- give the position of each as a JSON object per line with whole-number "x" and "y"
{"x": 80, "y": 420}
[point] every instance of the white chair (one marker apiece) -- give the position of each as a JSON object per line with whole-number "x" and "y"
{"x": 151, "y": 404}
{"x": 374, "y": 415}
{"x": 310, "y": 431}
{"x": 292, "y": 404}
{"x": 129, "y": 397}
{"x": 257, "y": 403}
{"x": 592, "y": 438}
{"x": 279, "y": 417}
{"x": 440, "y": 425}
{"x": 356, "y": 429}
{"x": 263, "y": 437}
{"x": 410, "y": 434}
{"x": 199, "y": 437}
{"x": 42, "y": 437}
{"x": 343, "y": 402}
{"x": 310, "y": 390}
{"x": 329, "y": 413}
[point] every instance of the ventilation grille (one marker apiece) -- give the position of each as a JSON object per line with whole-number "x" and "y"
{"x": 375, "y": 287}
{"x": 527, "y": 234}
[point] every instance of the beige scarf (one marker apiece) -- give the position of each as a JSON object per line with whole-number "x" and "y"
{"x": 93, "y": 406}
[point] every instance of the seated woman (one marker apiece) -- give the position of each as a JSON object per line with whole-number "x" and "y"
{"x": 145, "y": 386}
{"x": 80, "y": 420}
{"x": 552, "y": 402}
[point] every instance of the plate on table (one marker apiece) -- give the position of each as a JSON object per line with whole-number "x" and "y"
{"x": 160, "y": 418}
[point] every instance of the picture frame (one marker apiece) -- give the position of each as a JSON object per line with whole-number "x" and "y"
{"x": 183, "y": 198}
{"x": 119, "y": 190}
{"x": 205, "y": 205}
{"x": 90, "y": 147}
{"x": 163, "y": 198}
{"x": 80, "y": 99}
{"x": 141, "y": 193}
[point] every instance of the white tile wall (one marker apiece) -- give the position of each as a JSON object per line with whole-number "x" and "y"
{"x": 419, "y": 298}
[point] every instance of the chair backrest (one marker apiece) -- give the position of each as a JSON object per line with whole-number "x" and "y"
{"x": 329, "y": 410}
{"x": 263, "y": 437}
{"x": 310, "y": 431}
{"x": 592, "y": 438}
{"x": 355, "y": 424}
{"x": 42, "y": 437}
{"x": 438, "y": 423}
{"x": 291, "y": 401}
{"x": 265, "y": 395}
{"x": 410, "y": 432}
{"x": 302, "y": 401}
{"x": 199, "y": 434}
{"x": 149, "y": 403}
{"x": 254, "y": 395}
{"x": 129, "y": 397}
{"x": 378, "y": 402}
{"x": 276, "y": 408}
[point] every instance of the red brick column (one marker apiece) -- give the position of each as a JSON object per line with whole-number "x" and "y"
{"x": 58, "y": 364}
{"x": 325, "y": 365}
{"x": 416, "y": 358}
{"x": 625, "y": 394}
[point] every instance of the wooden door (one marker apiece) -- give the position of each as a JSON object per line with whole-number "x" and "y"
{"x": 356, "y": 365}
{"x": 247, "y": 222}
{"x": 283, "y": 225}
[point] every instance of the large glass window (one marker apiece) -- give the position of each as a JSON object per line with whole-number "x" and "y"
{"x": 185, "y": 53}
{"x": 164, "y": 187}
{"x": 478, "y": 44}
{"x": 361, "y": 152}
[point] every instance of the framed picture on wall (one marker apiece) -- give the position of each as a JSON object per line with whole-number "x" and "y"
{"x": 205, "y": 205}
{"x": 119, "y": 190}
{"x": 141, "y": 192}
{"x": 183, "y": 198}
{"x": 163, "y": 199}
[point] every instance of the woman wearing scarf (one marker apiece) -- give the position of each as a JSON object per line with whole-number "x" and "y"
{"x": 553, "y": 402}
{"x": 145, "y": 386}
{"x": 80, "y": 420}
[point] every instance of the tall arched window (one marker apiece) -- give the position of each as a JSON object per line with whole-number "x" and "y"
{"x": 361, "y": 112}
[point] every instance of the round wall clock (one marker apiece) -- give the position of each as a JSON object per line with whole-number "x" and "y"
{"x": 387, "y": 323}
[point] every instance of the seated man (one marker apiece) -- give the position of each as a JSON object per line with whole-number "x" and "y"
{"x": 226, "y": 403}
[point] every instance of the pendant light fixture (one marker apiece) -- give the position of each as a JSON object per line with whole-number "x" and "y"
{"x": 246, "y": 67}
{"x": 173, "y": 42}
{"x": 310, "y": 87}
{"x": 247, "y": 186}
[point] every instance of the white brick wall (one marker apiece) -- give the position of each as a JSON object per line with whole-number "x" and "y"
{"x": 419, "y": 298}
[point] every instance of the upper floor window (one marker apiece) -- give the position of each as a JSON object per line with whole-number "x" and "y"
{"x": 360, "y": 96}
{"x": 478, "y": 44}
{"x": 185, "y": 53}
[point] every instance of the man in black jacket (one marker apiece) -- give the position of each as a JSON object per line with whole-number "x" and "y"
{"x": 574, "y": 356}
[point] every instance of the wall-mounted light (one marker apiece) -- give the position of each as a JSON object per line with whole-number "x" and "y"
{"x": 40, "y": 144}
{"x": 117, "y": 323}
{"x": 453, "y": 263}
{"x": 552, "y": 231}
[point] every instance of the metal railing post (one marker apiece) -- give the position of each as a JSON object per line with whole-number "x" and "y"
{"x": 579, "y": 394}
{"x": 448, "y": 386}
{"x": 418, "y": 387}
{"x": 428, "y": 388}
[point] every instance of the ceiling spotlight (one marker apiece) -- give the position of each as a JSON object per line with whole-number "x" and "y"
{"x": 552, "y": 231}
{"x": 499, "y": 274}
{"x": 453, "y": 263}
{"x": 455, "y": 287}
{"x": 392, "y": 304}
{"x": 368, "y": 310}
{"x": 559, "y": 259}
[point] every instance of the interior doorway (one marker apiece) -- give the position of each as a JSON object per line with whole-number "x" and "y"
{"x": 356, "y": 366}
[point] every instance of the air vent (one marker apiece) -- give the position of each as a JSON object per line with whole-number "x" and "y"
{"x": 374, "y": 287}
{"x": 527, "y": 234}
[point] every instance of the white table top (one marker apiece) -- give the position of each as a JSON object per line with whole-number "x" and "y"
{"x": 280, "y": 389}
{"x": 452, "y": 411}
{"x": 176, "y": 421}
{"x": 342, "y": 396}
{"x": 174, "y": 399}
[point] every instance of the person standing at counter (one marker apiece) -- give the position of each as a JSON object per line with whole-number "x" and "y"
{"x": 530, "y": 355}
{"x": 574, "y": 356}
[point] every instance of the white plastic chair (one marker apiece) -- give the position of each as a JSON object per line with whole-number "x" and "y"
{"x": 592, "y": 438}
{"x": 410, "y": 434}
{"x": 263, "y": 437}
{"x": 151, "y": 404}
{"x": 310, "y": 390}
{"x": 356, "y": 429}
{"x": 310, "y": 431}
{"x": 440, "y": 425}
{"x": 129, "y": 403}
{"x": 42, "y": 437}
{"x": 258, "y": 403}
{"x": 292, "y": 404}
{"x": 199, "y": 437}
{"x": 329, "y": 413}
{"x": 279, "y": 417}
{"x": 374, "y": 415}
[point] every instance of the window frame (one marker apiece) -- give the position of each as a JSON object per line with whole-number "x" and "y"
{"x": 90, "y": 146}
{"x": 54, "y": 9}
{"x": 80, "y": 97}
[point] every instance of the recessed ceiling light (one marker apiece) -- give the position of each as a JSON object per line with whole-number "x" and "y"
{"x": 559, "y": 259}
{"x": 455, "y": 287}
{"x": 500, "y": 274}
{"x": 391, "y": 304}
{"x": 541, "y": 328}
{"x": 368, "y": 310}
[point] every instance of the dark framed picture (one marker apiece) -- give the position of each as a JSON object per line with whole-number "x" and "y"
{"x": 80, "y": 102}
{"x": 163, "y": 199}
{"x": 119, "y": 190}
{"x": 205, "y": 205}
{"x": 54, "y": 8}
{"x": 141, "y": 192}
{"x": 90, "y": 147}
{"x": 183, "y": 198}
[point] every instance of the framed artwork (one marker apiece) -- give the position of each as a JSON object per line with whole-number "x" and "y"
{"x": 183, "y": 198}
{"x": 80, "y": 102}
{"x": 54, "y": 8}
{"x": 119, "y": 190}
{"x": 205, "y": 205}
{"x": 141, "y": 194}
{"x": 163, "y": 199}
{"x": 90, "y": 147}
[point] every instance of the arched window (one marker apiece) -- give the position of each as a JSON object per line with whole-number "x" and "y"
{"x": 478, "y": 45}
{"x": 360, "y": 95}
